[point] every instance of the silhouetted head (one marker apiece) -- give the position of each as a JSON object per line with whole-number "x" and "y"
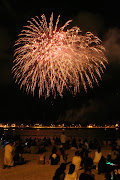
{"x": 63, "y": 166}
{"x": 99, "y": 150}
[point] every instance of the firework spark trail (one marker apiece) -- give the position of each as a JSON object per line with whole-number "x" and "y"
{"x": 55, "y": 59}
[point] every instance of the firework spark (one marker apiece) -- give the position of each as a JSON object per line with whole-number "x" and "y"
{"x": 53, "y": 59}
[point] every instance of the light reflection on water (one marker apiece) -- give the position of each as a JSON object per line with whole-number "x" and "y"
{"x": 106, "y": 133}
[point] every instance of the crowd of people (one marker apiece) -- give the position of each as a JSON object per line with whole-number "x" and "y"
{"x": 81, "y": 160}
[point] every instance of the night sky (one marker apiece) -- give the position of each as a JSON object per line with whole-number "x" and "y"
{"x": 99, "y": 105}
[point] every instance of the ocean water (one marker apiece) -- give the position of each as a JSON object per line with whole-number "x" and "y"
{"x": 91, "y": 133}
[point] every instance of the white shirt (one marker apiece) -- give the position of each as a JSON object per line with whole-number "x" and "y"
{"x": 76, "y": 160}
{"x": 72, "y": 176}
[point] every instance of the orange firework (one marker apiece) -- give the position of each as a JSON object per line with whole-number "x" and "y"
{"x": 53, "y": 59}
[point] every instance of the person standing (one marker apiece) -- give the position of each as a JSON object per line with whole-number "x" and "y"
{"x": 98, "y": 155}
{"x": 63, "y": 139}
{"x": 42, "y": 158}
{"x": 8, "y": 155}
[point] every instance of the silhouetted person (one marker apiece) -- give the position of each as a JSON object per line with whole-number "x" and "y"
{"x": 54, "y": 157}
{"x": 102, "y": 165}
{"x": 72, "y": 174}
{"x": 87, "y": 175}
{"x": 8, "y": 155}
{"x": 88, "y": 161}
{"x": 60, "y": 172}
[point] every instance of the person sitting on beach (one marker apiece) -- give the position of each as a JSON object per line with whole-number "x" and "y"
{"x": 102, "y": 167}
{"x": 87, "y": 161}
{"x": 98, "y": 155}
{"x": 42, "y": 158}
{"x": 114, "y": 154}
{"x": 87, "y": 175}
{"x": 18, "y": 159}
{"x": 60, "y": 172}
{"x": 72, "y": 174}
{"x": 76, "y": 160}
{"x": 8, "y": 155}
{"x": 54, "y": 158}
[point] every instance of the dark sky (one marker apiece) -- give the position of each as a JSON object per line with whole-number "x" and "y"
{"x": 100, "y": 104}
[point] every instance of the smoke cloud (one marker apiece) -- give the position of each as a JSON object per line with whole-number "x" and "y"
{"x": 112, "y": 45}
{"x": 88, "y": 21}
{"x": 101, "y": 108}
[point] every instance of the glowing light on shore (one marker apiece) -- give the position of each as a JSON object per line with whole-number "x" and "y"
{"x": 53, "y": 59}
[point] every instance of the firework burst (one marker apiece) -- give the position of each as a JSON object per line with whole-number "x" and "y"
{"x": 53, "y": 59}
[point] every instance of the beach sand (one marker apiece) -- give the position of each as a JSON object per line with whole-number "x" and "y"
{"x": 31, "y": 170}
